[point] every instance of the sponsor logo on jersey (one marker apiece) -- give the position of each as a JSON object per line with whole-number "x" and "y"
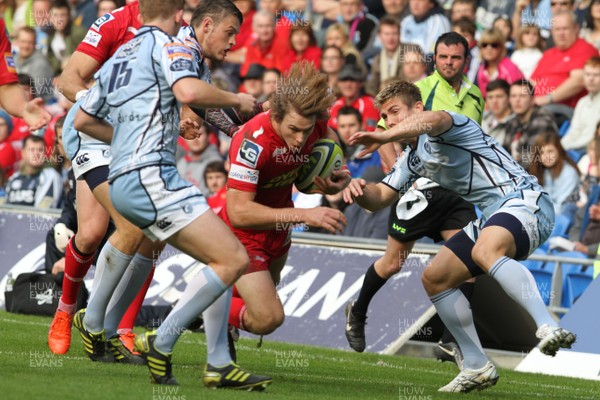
{"x": 102, "y": 20}
{"x": 182, "y": 64}
{"x": 282, "y": 180}
{"x": 175, "y": 50}
{"x": 82, "y": 159}
{"x": 249, "y": 153}
{"x": 10, "y": 62}
{"x": 243, "y": 174}
{"x": 130, "y": 48}
{"x": 92, "y": 38}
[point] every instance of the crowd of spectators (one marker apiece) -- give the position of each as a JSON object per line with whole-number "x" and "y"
{"x": 531, "y": 68}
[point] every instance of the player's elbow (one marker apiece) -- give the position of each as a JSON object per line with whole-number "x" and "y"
{"x": 64, "y": 85}
{"x": 184, "y": 93}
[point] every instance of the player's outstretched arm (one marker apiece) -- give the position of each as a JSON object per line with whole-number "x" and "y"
{"x": 198, "y": 93}
{"x": 245, "y": 213}
{"x": 78, "y": 70}
{"x": 370, "y": 196}
{"x": 432, "y": 123}
{"x": 96, "y": 128}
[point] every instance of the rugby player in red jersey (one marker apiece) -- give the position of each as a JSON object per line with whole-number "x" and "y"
{"x": 265, "y": 156}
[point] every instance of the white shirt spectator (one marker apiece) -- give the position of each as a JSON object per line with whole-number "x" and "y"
{"x": 583, "y": 124}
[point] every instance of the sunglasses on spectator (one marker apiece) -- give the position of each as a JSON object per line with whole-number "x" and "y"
{"x": 560, "y": 3}
{"x": 493, "y": 45}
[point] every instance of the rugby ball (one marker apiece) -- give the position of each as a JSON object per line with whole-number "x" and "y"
{"x": 326, "y": 156}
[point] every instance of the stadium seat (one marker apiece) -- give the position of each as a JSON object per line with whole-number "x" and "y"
{"x": 577, "y": 283}
{"x": 564, "y": 128}
{"x": 534, "y": 264}
{"x": 543, "y": 280}
{"x": 575, "y": 155}
{"x": 561, "y": 226}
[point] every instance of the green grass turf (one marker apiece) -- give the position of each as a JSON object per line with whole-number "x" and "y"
{"x": 29, "y": 371}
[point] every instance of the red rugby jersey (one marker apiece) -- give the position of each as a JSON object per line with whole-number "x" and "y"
{"x": 110, "y": 31}
{"x": 262, "y": 163}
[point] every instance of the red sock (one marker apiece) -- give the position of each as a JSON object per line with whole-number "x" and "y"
{"x": 128, "y": 319}
{"x": 236, "y": 312}
{"x": 76, "y": 266}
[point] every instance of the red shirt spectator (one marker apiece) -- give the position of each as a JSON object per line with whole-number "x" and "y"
{"x": 245, "y": 35}
{"x": 556, "y": 66}
{"x": 560, "y": 70}
{"x": 217, "y": 200}
{"x": 19, "y": 132}
{"x": 266, "y": 49}
{"x": 8, "y": 158}
{"x": 303, "y": 47}
{"x": 350, "y": 83}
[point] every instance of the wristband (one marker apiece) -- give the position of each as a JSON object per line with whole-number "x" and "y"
{"x": 80, "y": 94}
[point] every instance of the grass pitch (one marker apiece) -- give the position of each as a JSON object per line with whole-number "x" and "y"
{"x": 29, "y": 371}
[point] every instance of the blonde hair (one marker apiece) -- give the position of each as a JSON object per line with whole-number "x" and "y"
{"x": 348, "y": 48}
{"x": 304, "y": 90}
{"x": 494, "y": 36}
{"x": 342, "y": 30}
{"x": 408, "y": 92}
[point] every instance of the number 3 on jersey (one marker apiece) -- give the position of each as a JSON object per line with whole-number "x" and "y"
{"x": 120, "y": 76}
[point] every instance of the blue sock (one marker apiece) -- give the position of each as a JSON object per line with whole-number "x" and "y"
{"x": 201, "y": 292}
{"x": 127, "y": 290}
{"x": 216, "y": 319}
{"x": 518, "y": 283}
{"x": 110, "y": 268}
{"x": 453, "y": 308}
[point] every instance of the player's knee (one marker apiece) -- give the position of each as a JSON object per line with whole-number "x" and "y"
{"x": 432, "y": 282}
{"x": 484, "y": 255}
{"x": 89, "y": 238}
{"x": 129, "y": 239}
{"x": 269, "y": 322}
{"x": 240, "y": 261}
{"x": 391, "y": 267}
